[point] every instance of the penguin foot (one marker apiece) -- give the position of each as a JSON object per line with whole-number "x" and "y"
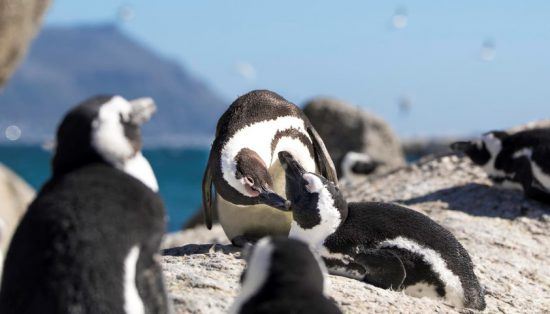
{"x": 243, "y": 241}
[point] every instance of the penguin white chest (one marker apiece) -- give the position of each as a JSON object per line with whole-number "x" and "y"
{"x": 256, "y": 220}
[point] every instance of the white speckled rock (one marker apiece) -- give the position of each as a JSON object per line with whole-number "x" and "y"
{"x": 507, "y": 236}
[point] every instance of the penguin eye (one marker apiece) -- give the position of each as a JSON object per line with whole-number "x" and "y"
{"x": 249, "y": 180}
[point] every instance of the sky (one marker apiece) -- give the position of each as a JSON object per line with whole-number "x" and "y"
{"x": 430, "y": 68}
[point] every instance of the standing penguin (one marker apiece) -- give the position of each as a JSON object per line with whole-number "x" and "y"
{"x": 283, "y": 276}
{"x": 517, "y": 161}
{"x": 244, "y": 168}
{"x": 88, "y": 242}
{"x": 386, "y": 245}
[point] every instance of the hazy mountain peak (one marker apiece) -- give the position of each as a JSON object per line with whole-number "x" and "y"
{"x": 68, "y": 64}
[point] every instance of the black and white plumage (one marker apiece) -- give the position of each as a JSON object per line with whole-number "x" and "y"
{"x": 283, "y": 276}
{"x": 88, "y": 242}
{"x": 245, "y": 170}
{"x": 386, "y": 245}
{"x": 517, "y": 161}
{"x": 356, "y": 164}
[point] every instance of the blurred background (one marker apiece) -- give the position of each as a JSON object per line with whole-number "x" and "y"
{"x": 431, "y": 70}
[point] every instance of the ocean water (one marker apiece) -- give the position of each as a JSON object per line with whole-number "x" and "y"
{"x": 179, "y": 173}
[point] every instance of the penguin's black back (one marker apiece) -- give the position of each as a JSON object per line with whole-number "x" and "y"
{"x": 537, "y": 139}
{"x": 294, "y": 283}
{"x": 68, "y": 253}
{"x": 299, "y": 302}
{"x": 373, "y": 222}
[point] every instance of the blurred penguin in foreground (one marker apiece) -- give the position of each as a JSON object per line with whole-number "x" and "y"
{"x": 283, "y": 276}
{"x": 88, "y": 241}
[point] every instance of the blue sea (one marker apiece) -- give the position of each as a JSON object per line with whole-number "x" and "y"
{"x": 179, "y": 172}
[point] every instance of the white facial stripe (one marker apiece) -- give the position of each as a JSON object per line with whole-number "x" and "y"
{"x": 315, "y": 185}
{"x": 494, "y": 146}
{"x": 108, "y": 137}
{"x": 139, "y": 167}
{"x": 350, "y": 160}
{"x": 330, "y": 221}
{"x": 454, "y": 292}
{"x": 299, "y": 151}
{"x": 110, "y": 142}
{"x": 256, "y": 273}
{"x": 143, "y": 109}
{"x": 132, "y": 301}
{"x": 257, "y": 137}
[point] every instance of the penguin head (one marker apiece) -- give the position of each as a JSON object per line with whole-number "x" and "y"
{"x": 355, "y": 163}
{"x": 101, "y": 129}
{"x": 482, "y": 150}
{"x": 254, "y": 180}
{"x": 285, "y": 263}
{"x": 314, "y": 199}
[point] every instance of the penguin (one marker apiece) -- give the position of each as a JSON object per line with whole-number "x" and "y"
{"x": 89, "y": 241}
{"x": 283, "y": 276}
{"x": 386, "y": 245}
{"x": 356, "y": 164}
{"x": 514, "y": 161}
{"x": 244, "y": 168}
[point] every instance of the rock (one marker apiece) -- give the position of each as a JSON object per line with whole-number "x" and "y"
{"x": 506, "y": 235}
{"x": 19, "y": 21}
{"x": 537, "y": 124}
{"x": 199, "y": 234}
{"x": 15, "y": 196}
{"x": 416, "y": 148}
{"x": 345, "y": 128}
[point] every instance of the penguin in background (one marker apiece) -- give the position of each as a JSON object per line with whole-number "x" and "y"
{"x": 283, "y": 276}
{"x": 244, "y": 168}
{"x": 88, "y": 242}
{"x": 514, "y": 161}
{"x": 386, "y": 245}
{"x": 357, "y": 165}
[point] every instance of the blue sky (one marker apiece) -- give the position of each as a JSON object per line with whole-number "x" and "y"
{"x": 352, "y": 50}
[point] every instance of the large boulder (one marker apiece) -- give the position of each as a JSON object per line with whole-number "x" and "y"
{"x": 19, "y": 21}
{"x": 15, "y": 196}
{"x": 346, "y": 128}
{"x": 506, "y": 235}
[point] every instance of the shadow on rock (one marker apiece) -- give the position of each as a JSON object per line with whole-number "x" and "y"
{"x": 482, "y": 200}
{"x": 191, "y": 249}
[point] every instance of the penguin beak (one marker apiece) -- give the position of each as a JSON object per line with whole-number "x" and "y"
{"x": 142, "y": 110}
{"x": 292, "y": 167}
{"x": 461, "y": 146}
{"x": 268, "y": 197}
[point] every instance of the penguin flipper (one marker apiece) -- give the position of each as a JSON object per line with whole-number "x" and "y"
{"x": 322, "y": 157}
{"x": 384, "y": 269}
{"x": 207, "y": 197}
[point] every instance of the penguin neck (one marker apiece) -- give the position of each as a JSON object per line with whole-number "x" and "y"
{"x": 137, "y": 166}
{"x": 140, "y": 168}
{"x": 68, "y": 158}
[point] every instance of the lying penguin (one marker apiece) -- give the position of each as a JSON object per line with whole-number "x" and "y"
{"x": 283, "y": 276}
{"x": 244, "y": 168}
{"x": 517, "y": 161}
{"x": 88, "y": 242}
{"x": 356, "y": 165}
{"x": 386, "y": 245}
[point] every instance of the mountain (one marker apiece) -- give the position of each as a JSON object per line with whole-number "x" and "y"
{"x": 69, "y": 64}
